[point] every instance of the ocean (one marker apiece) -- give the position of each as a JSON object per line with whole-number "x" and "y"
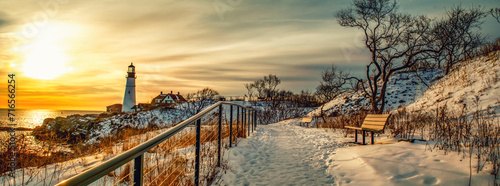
{"x": 30, "y": 118}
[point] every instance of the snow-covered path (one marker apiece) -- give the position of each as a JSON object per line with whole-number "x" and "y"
{"x": 282, "y": 154}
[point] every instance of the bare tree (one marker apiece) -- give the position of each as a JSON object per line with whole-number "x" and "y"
{"x": 266, "y": 87}
{"x": 260, "y": 86}
{"x": 284, "y": 95}
{"x": 250, "y": 89}
{"x": 307, "y": 99}
{"x": 271, "y": 82}
{"x": 456, "y": 37}
{"x": 495, "y": 12}
{"x": 396, "y": 42}
{"x": 333, "y": 82}
{"x": 201, "y": 99}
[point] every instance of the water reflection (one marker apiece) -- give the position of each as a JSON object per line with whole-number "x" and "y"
{"x": 31, "y": 118}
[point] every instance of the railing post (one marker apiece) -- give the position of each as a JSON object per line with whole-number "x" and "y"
{"x": 251, "y": 119}
{"x": 243, "y": 124}
{"x": 237, "y": 122}
{"x": 255, "y": 118}
{"x": 197, "y": 158}
{"x": 244, "y": 120}
{"x": 248, "y": 121}
{"x": 231, "y": 127}
{"x": 219, "y": 145}
{"x": 138, "y": 162}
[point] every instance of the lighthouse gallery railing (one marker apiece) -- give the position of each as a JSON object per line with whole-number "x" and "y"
{"x": 137, "y": 153}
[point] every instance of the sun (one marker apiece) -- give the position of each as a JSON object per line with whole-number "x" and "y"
{"x": 45, "y": 63}
{"x": 45, "y": 57}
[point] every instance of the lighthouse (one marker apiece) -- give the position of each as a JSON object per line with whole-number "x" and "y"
{"x": 129, "y": 97}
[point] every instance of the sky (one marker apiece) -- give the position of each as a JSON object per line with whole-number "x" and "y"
{"x": 73, "y": 54}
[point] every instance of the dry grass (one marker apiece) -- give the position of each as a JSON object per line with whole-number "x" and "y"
{"x": 475, "y": 136}
{"x": 34, "y": 158}
{"x": 170, "y": 163}
{"x": 342, "y": 119}
{"x": 31, "y": 154}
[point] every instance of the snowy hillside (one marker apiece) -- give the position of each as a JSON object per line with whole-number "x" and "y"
{"x": 478, "y": 78}
{"x": 402, "y": 90}
{"x": 159, "y": 117}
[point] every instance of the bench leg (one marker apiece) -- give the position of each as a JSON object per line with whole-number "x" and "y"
{"x": 355, "y": 136}
{"x": 364, "y": 132}
{"x": 372, "y": 139}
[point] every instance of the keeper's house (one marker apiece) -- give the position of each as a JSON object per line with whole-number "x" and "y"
{"x": 165, "y": 99}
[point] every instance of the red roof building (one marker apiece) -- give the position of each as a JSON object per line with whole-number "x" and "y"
{"x": 114, "y": 108}
{"x": 168, "y": 98}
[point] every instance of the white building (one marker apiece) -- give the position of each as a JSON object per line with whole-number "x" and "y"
{"x": 129, "y": 97}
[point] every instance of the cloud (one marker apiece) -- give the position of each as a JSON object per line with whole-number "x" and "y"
{"x": 185, "y": 45}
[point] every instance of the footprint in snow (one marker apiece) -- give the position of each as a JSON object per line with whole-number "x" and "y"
{"x": 347, "y": 180}
{"x": 398, "y": 178}
{"x": 429, "y": 180}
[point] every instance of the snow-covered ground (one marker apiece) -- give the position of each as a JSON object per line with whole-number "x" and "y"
{"x": 402, "y": 163}
{"x": 287, "y": 154}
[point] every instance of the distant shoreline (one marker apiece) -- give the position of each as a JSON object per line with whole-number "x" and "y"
{"x": 28, "y": 119}
{"x": 56, "y": 110}
{"x": 15, "y": 128}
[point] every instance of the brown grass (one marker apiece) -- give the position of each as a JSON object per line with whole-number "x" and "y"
{"x": 175, "y": 169}
{"x": 29, "y": 154}
{"x": 170, "y": 163}
{"x": 342, "y": 119}
{"x": 475, "y": 135}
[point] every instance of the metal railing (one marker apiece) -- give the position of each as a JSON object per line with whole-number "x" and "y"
{"x": 137, "y": 153}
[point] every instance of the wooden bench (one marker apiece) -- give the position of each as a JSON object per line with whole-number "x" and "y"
{"x": 372, "y": 123}
{"x": 306, "y": 120}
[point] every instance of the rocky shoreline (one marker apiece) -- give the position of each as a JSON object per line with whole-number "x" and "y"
{"x": 70, "y": 129}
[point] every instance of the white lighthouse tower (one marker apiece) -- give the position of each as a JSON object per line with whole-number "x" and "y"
{"x": 129, "y": 98}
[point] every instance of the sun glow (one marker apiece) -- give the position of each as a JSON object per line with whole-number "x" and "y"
{"x": 44, "y": 57}
{"x": 45, "y": 63}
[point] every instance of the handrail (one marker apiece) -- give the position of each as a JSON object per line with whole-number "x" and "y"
{"x": 104, "y": 168}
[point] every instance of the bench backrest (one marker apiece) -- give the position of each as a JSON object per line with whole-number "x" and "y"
{"x": 375, "y": 122}
{"x": 306, "y": 120}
